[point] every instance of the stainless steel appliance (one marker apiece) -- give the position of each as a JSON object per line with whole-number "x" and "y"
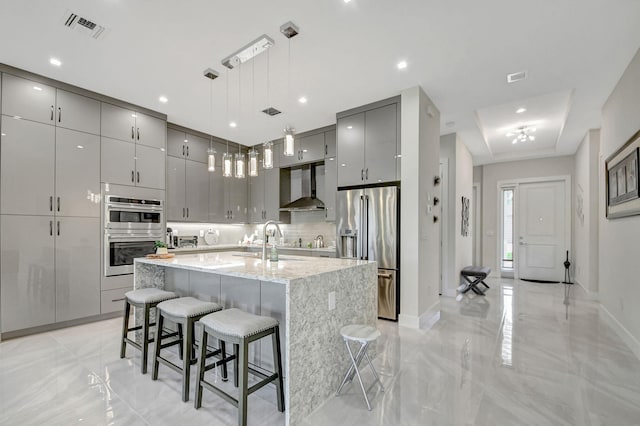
{"x": 131, "y": 228}
{"x": 185, "y": 241}
{"x": 368, "y": 227}
{"x": 127, "y": 213}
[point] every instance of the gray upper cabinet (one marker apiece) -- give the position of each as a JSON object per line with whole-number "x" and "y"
{"x": 330, "y": 177}
{"x": 28, "y": 99}
{"x": 126, "y": 125}
{"x": 237, "y": 191}
{"x": 308, "y": 149}
{"x": 27, "y": 294}
{"x": 77, "y": 174}
{"x": 150, "y": 167}
{"x": 187, "y": 146}
{"x": 367, "y": 146}
{"x": 218, "y": 206}
{"x": 350, "y": 150}
{"x": 27, "y": 167}
{"x": 256, "y": 198}
{"x": 197, "y": 191}
{"x": 77, "y": 267}
{"x": 118, "y": 161}
{"x": 264, "y": 191}
{"x": 176, "y": 180}
{"x": 77, "y": 112}
{"x": 380, "y": 144}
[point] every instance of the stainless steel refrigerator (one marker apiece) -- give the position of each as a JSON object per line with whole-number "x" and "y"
{"x": 368, "y": 227}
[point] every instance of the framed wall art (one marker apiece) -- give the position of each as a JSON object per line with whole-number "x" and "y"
{"x": 622, "y": 180}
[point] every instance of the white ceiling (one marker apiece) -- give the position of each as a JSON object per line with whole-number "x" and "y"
{"x": 345, "y": 56}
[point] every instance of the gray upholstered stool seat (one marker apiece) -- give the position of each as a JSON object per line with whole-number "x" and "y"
{"x": 146, "y": 299}
{"x": 239, "y": 328}
{"x": 474, "y": 275}
{"x": 364, "y": 335}
{"x": 185, "y": 312}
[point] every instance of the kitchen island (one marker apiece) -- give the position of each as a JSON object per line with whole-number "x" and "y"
{"x": 311, "y": 297}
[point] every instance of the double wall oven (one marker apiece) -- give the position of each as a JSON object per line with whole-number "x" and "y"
{"x": 131, "y": 228}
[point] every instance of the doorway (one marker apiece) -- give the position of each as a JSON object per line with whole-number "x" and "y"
{"x": 535, "y": 228}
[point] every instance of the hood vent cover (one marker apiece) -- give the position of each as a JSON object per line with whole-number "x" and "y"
{"x": 308, "y": 201}
{"x": 271, "y": 111}
{"x": 82, "y": 25}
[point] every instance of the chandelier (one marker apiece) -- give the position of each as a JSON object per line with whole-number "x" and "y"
{"x": 522, "y": 134}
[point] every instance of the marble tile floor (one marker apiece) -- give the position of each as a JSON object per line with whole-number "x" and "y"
{"x": 510, "y": 358}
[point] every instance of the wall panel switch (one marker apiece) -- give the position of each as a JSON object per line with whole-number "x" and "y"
{"x": 332, "y": 300}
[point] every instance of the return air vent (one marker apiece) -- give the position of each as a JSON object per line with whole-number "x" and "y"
{"x": 83, "y": 25}
{"x": 271, "y": 111}
{"x": 516, "y": 76}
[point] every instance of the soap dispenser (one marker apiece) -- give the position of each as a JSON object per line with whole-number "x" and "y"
{"x": 274, "y": 253}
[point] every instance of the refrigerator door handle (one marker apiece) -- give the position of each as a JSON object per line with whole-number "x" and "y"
{"x": 362, "y": 230}
{"x": 365, "y": 229}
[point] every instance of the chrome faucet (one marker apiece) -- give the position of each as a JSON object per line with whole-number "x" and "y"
{"x": 264, "y": 237}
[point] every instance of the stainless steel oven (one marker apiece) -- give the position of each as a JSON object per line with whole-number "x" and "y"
{"x": 135, "y": 214}
{"x": 121, "y": 247}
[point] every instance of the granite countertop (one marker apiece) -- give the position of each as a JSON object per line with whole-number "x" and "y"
{"x": 248, "y": 265}
{"x": 223, "y": 247}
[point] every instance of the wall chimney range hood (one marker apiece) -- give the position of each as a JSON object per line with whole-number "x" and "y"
{"x": 308, "y": 201}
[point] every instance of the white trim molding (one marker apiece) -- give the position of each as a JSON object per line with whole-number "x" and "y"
{"x": 424, "y": 321}
{"x": 591, "y": 295}
{"x": 620, "y": 330}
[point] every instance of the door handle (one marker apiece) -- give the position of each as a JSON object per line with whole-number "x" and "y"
{"x": 138, "y": 132}
{"x": 132, "y": 176}
{"x": 51, "y": 203}
{"x": 183, "y": 212}
{"x": 58, "y": 232}
{"x": 522, "y": 243}
{"x": 51, "y": 228}
{"x": 388, "y": 276}
{"x": 138, "y": 173}
{"x": 58, "y": 208}
{"x": 133, "y": 136}
{"x": 59, "y": 114}
{"x": 187, "y": 150}
{"x": 366, "y": 174}
{"x": 183, "y": 150}
{"x": 361, "y": 174}
{"x": 51, "y": 112}
{"x": 326, "y": 150}
{"x": 187, "y": 211}
{"x": 118, "y": 300}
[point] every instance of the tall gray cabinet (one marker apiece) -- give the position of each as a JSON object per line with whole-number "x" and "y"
{"x": 49, "y": 207}
{"x": 264, "y": 190}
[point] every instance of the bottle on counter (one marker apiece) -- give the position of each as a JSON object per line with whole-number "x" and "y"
{"x": 273, "y": 256}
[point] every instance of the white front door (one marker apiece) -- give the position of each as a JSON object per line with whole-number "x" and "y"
{"x": 542, "y": 236}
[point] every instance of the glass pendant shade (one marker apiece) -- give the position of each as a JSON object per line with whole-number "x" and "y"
{"x": 240, "y": 166}
{"x": 253, "y": 163}
{"x": 288, "y": 144}
{"x": 211, "y": 160}
{"x": 267, "y": 156}
{"x": 227, "y": 165}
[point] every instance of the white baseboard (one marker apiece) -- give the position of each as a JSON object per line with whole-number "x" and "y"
{"x": 449, "y": 292}
{"x": 424, "y": 321}
{"x": 620, "y": 330}
{"x": 591, "y": 295}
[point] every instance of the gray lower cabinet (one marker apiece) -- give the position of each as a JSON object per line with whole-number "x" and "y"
{"x": 273, "y": 304}
{"x": 27, "y": 167}
{"x": 244, "y": 294}
{"x": 27, "y": 271}
{"x": 77, "y": 267}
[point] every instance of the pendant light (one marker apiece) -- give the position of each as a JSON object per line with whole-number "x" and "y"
{"x": 267, "y": 156}
{"x": 289, "y": 30}
{"x": 289, "y": 142}
{"x": 211, "y": 157}
{"x": 252, "y": 164}
{"x": 227, "y": 159}
{"x": 240, "y": 162}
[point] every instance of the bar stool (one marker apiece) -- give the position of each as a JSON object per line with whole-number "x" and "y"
{"x": 239, "y": 328}
{"x": 145, "y": 299}
{"x": 364, "y": 335}
{"x": 184, "y": 312}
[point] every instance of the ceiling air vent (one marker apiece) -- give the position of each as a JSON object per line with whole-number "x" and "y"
{"x": 83, "y": 25}
{"x": 516, "y": 76}
{"x": 271, "y": 111}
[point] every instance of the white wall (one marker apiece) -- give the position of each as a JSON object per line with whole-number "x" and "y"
{"x": 460, "y": 176}
{"x": 585, "y": 220}
{"x": 420, "y": 240}
{"x": 619, "y": 267}
{"x": 491, "y": 174}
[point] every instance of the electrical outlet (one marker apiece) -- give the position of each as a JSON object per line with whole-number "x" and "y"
{"x": 332, "y": 300}
{"x": 202, "y": 233}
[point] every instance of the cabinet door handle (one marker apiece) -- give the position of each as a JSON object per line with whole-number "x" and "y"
{"x": 138, "y": 132}
{"x": 59, "y": 114}
{"x": 51, "y": 203}
{"x": 58, "y": 232}
{"x": 138, "y": 174}
{"x": 187, "y": 150}
{"x": 118, "y": 300}
{"x": 366, "y": 174}
{"x": 133, "y": 136}
{"x": 361, "y": 174}
{"x": 132, "y": 176}
{"x": 183, "y": 150}
{"x": 51, "y": 228}
{"x": 51, "y": 112}
{"x": 187, "y": 211}
{"x": 58, "y": 204}
{"x": 326, "y": 150}
{"x": 183, "y": 211}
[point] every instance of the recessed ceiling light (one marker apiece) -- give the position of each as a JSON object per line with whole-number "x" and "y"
{"x": 402, "y": 65}
{"x": 134, "y": 115}
{"x": 80, "y": 147}
{"x": 39, "y": 89}
{"x": 349, "y": 127}
{"x": 343, "y": 165}
{"x": 521, "y": 110}
{"x": 233, "y": 124}
{"x": 330, "y": 159}
{"x": 162, "y": 149}
{"x": 55, "y": 61}
{"x": 302, "y": 100}
{"x": 347, "y": 1}
{"x": 163, "y": 99}
{"x": 3, "y": 134}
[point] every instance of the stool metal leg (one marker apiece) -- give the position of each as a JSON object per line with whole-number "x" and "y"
{"x": 235, "y": 365}
{"x": 186, "y": 359}
{"x": 243, "y": 385}
{"x": 355, "y": 366}
{"x": 350, "y": 373}
{"x": 125, "y": 328}
{"x": 277, "y": 362}
{"x": 223, "y": 355}
{"x": 145, "y": 339}
{"x": 373, "y": 370}
{"x": 156, "y": 352}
